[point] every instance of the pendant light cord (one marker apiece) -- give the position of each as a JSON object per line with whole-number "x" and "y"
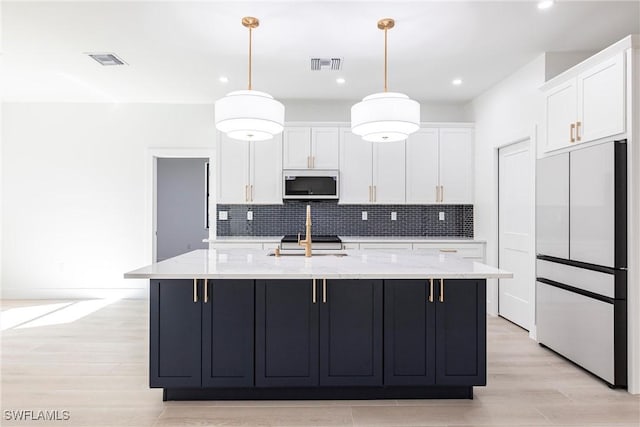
{"x": 385, "y": 59}
{"x": 250, "y": 29}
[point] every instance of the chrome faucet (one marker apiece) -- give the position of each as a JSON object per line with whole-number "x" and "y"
{"x": 307, "y": 241}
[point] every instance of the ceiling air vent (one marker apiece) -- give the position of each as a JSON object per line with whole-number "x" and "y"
{"x": 107, "y": 58}
{"x": 319, "y": 64}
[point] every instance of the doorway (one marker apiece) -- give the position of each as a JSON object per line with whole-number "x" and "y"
{"x": 515, "y": 227}
{"x": 182, "y": 208}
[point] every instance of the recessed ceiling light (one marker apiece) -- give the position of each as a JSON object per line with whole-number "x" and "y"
{"x": 545, "y": 4}
{"x": 107, "y": 58}
{"x": 456, "y": 82}
{"x": 223, "y": 79}
{"x": 340, "y": 81}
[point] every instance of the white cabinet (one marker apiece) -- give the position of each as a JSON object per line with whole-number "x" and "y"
{"x": 371, "y": 172}
{"x": 586, "y": 107}
{"x": 311, "y": 148}
{"x": 440, "y": 166}
{"x": 249, "y": 172}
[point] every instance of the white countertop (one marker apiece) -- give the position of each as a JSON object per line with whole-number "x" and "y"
{"x": 350, "y": 239}
{"x": 256, "y": 264}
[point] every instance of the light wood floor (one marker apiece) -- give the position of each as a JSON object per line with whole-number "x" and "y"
{"x": 95, "y": 367}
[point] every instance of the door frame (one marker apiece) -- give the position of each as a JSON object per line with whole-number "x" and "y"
{"x": 495, "y": 292}
{"x": 151, "y": 189}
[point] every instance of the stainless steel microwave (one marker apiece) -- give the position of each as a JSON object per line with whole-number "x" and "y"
{"x": 310, "y": 184}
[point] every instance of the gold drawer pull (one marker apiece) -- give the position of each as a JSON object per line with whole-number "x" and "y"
{"x": 430, "y": 290}
{"x": 571, "y": 129}
{"x": 206, "y": 291}
{"x": 448, "y": 250}
{"x": 441, "y": 290}
{"x": 313, "y": 291}
{"x": 324, "y": 291}
{"x": 195, "y": 290}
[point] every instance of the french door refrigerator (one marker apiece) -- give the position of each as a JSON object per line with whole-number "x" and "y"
{"x": 581, "y": 245}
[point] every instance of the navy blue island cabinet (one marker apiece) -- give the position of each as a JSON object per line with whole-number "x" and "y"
{"x": 435, "y": 332}
{"x": 201, "y": 335}
{"x": 322, "y": 338}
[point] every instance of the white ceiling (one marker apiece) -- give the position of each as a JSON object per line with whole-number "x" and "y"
{"x": 177, "y": 50}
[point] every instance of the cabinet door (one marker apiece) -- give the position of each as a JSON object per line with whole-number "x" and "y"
{"x": 422, "y": 166}
{"x": 175, "y": 334}
{"x": 325, "y": 148}
{"x": 233, "y": 170}
{"x": 356, "y": 159}
{"x": 461, "y": 333}
{"x": 409, "y": 333}
{"x": 456, "y": 165}
{"x": 351, "y": 333}
{"x": 552, "y": 206}
{"x": 286, "y": 334}
{"x": 560, "y": 114}
{"x": 296, "y": 148}
{"x": 389, "y": 172}
{"x": 601, "y": 100}
{"x": 592, "y": 213}
{"x": 266, "y": 171}
{"x": 227, "y": 334}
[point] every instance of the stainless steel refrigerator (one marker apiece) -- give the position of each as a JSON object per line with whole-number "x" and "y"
{"x": 581, "y": 245}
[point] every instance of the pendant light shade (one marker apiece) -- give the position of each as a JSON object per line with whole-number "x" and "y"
{"x": 249, "y": 115}
{"x": 385, "y": 116}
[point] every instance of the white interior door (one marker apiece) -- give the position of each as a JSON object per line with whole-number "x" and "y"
{"x": 516, "y": 209}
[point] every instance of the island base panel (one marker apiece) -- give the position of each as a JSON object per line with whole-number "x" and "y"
{"x": 323, "y": 393}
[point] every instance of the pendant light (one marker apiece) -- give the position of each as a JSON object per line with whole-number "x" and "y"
{"x": 385, "y": 116}
{"x": 249, "y": 115}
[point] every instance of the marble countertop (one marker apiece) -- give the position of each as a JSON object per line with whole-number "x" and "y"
{"x": 350, "y": 239}
{"x": 257, "y": 264}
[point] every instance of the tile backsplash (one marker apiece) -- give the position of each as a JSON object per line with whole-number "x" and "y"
{"x": 329, "y": 217}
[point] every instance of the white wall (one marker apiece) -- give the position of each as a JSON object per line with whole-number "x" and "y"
{"x": 340, "y": 111}
{"x": 74, "y": 177}
{"x": 506, "y": 113}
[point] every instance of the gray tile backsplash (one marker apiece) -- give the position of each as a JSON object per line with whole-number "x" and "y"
{"x": 329, "y": 217}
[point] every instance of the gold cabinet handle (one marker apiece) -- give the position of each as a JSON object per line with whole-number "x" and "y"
{"x": 251, "y": 193}
{"x": 246, "y": 193}
{"x": 195, "y": 290}
{"x": 441, "y": 290}
{"x": 448, "y": 250}
{"x": 206, "y": 291}
{"x": 578, "y": 124}
{"x": 431, "y": 290}
{"x": 313, "y": 291}
{"x": 571, "y": 129}
{"x": 324, "y": 291}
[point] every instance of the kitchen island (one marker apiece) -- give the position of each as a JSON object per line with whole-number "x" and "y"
{"x": 240, "y": 324}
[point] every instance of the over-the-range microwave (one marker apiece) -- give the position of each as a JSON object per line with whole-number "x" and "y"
{"x": 308, "y": 184}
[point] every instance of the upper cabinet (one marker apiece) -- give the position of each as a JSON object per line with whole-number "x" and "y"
{"x": 311, "y": 148}
{"x": 440, "y": 166}
{"x": 371, "y": 172}
{"x": 249, "y": 173}
{"x": 586, "y": 107}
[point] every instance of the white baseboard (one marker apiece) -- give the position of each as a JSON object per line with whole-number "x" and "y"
{"x": 74, "y": 293}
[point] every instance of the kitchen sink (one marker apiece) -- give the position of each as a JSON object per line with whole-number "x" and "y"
{"x": 301, "y": 254}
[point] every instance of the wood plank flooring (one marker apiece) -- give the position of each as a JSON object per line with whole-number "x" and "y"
{"x": 95, "y": 367}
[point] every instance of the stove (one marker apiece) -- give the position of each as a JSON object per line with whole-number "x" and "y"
{"x": 290, "y": 241}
